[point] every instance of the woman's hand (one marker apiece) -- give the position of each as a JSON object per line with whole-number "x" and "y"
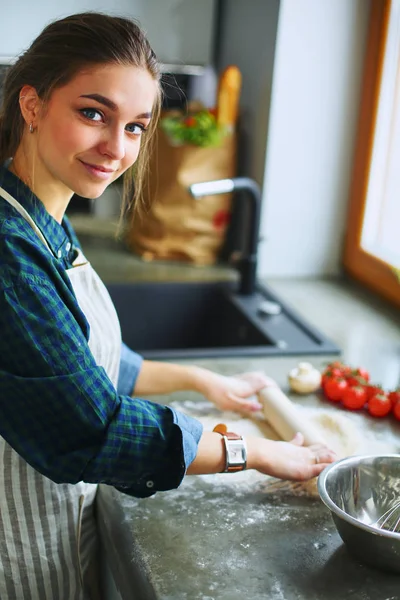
{"x": 236, "y": 393}
{"x": 288, "y": 460}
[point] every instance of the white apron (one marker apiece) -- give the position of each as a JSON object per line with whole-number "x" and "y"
{"x": 48, "y": 539}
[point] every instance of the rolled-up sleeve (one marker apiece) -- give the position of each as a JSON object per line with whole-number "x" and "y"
{"x": 191, "y": 429}
{"x": 129, "y": 367}
{"x": 191, "y": 434}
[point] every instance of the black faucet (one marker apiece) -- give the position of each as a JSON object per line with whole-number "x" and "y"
{"x": 247, "y": 264}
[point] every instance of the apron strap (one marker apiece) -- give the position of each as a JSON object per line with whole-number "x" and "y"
{"x": 26, "y": 216}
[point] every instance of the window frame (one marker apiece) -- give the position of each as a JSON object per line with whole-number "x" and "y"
{"x": 358, "y": 263}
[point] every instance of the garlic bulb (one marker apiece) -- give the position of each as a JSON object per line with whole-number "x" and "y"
{"x": 305, "y": 378}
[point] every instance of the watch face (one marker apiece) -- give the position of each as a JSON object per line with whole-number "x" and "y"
{"x": 236, "y": 453}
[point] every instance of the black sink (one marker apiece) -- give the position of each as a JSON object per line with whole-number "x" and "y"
{"x": 210, "y": 319}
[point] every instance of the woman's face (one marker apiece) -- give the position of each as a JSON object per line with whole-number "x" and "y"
{"x": 91, "y": 130}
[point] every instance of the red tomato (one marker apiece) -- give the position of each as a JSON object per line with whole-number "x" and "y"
{"x": 357, "y": 376}
{"x": 394, "y": 396}
{"x": 336, "y": 368}
{"x": 373, "y": 390}
{"x": 354, "y": 397}
{"x": 334, "y": 372}
{"x": 360, "y": 372}
{"x": 379, "y": 405}
{"x": 334, "y": 388}
{"x": 190, "y": 121}
{"x": 346, "y": 370}
{"x": 396, "y": 411}
{"x": 331, "y": 374}
{"x": 355, "y": 380}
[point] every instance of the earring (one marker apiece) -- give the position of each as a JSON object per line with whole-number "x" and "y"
{"x": 31, "y": 128}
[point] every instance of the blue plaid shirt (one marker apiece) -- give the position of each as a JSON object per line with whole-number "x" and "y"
{"x": 58, "y": 408}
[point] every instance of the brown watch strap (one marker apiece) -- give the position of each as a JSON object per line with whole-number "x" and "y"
{"x": 223, "y": 430}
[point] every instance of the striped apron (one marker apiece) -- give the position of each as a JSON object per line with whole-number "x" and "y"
{"x": 48, "y": 537}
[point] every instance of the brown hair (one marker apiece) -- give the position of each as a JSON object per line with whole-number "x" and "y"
{"x": 57, "y": 55}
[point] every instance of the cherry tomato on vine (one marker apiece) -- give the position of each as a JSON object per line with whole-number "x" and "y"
{"x": 373, "y": 390}
{"x": 356, "y": 380}
{"x": 334, "y": 372}
{"x": 354, "y": 397}
{"x": 330, "y": 374}
{"x": 379, "y": 405}
{"x": 360, "y": 372}
{"x": 337, "y": 368}
{"x": 396, "y": 411}
{"x": 394, "y": 396}
{"x": 334, "y": 388}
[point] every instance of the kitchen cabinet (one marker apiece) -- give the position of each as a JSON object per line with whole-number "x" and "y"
{"x": 180, "y": 31}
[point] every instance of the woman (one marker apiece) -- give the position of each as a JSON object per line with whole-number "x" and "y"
{"x": 77, "y": 107}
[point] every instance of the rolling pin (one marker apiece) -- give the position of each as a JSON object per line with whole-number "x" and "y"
{"x": 285, "y": 418}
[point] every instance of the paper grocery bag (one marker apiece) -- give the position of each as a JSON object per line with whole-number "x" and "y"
{"x": 177, "y": 226}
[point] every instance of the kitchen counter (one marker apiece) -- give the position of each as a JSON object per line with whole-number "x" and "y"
{"x": 228, "y": 536}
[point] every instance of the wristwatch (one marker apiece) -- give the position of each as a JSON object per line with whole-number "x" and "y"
{"x": 235, "y": 447}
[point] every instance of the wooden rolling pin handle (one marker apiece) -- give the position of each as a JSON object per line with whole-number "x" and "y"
{"x": 285, "y": 418}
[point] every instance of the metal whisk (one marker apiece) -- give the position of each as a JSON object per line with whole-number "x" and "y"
{"x": 390, "y": 520}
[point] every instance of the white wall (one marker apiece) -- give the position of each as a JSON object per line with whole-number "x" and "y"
{"x": 179, "y": 30}
{"x": 314, "y": 108}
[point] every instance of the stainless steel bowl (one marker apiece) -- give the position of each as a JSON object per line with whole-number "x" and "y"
{"x": 358, "y": 491}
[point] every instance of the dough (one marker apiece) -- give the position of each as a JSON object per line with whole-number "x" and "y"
{"x": 338, "y": 432}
